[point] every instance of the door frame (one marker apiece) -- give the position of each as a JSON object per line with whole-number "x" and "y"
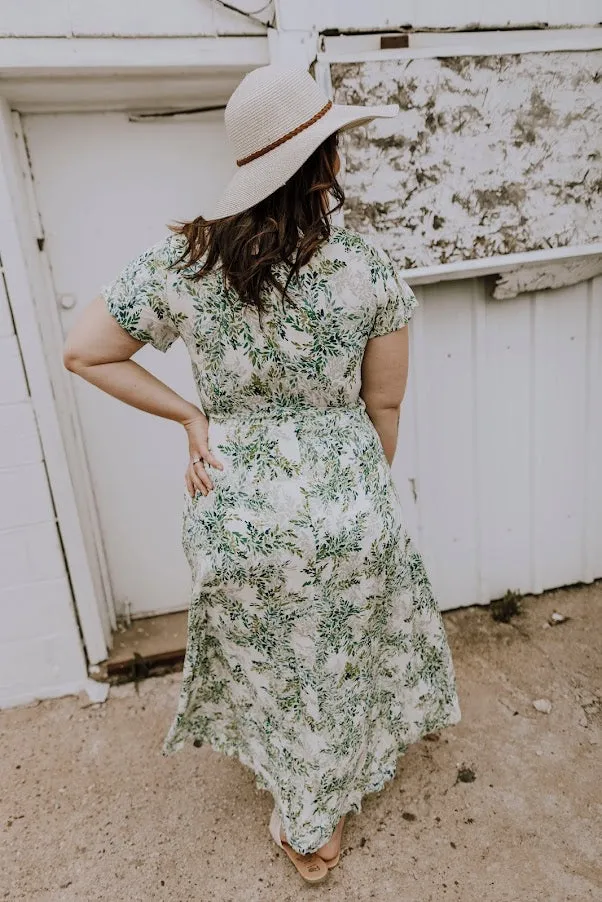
{"x": 27, "y": 270}
{"x": 37, "y": 326}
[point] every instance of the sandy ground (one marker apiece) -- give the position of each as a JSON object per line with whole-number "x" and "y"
{"x": 504, "y": 806}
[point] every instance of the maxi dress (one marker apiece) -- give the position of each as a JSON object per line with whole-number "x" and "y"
{"x": 316, "y": 651}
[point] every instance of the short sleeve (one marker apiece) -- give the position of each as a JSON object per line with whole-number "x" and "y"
{"x": 137, "y": 299}
{"x": 396, "y": 301}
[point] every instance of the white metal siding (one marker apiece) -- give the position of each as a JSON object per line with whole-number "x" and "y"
{"x": 501, "y": 437}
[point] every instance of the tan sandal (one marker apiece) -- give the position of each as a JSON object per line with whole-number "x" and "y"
{"x": 312, "y": 868}
{"x": 330, "y": 862}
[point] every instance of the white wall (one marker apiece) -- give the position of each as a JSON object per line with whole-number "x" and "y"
{"x": 40, "y": 647}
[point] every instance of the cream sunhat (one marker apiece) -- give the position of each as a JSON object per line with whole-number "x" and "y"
{"x": 275, "y": 119}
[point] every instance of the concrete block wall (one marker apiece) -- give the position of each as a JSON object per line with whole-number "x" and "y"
{"x": 40, "y": 647}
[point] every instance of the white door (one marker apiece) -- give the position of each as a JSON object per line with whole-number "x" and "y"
{"x": 106, "y": 187}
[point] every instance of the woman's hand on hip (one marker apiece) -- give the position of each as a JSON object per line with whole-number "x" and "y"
{"x": 196, "y": 477}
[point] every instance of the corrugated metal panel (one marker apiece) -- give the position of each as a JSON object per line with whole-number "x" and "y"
{"x": 501, "y": 439}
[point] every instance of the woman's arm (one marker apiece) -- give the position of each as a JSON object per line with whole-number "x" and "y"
{"x": 384, "y": 380}
{"x": 99, "y": 350}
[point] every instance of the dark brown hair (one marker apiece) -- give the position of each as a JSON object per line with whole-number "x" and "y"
{"x": 287, "y": 227}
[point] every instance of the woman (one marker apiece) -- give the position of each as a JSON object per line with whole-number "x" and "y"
{"x": 316, "y": 652}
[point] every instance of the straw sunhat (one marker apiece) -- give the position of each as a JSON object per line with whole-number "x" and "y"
{"x": 275, "y": 119}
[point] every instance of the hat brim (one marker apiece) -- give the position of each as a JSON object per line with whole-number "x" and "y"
{"x": 256, "y": 180}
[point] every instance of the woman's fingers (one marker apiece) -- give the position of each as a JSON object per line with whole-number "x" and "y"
{"x": 212, "y": 460}
{"x": 200, "y": 478}
{"x": 192, "y": 480}
{"x": 198, "y": 444}
{"x": 197, "y": 477}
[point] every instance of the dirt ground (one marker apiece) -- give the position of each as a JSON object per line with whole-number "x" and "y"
{"x": 507, "y": 805}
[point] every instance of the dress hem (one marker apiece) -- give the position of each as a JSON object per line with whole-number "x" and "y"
{"x": 374, "y": 785}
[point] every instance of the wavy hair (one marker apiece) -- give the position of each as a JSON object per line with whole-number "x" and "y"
{"x": 287, "y": 227}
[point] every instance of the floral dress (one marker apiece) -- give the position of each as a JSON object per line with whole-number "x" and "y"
{"x": 316, "y": 652}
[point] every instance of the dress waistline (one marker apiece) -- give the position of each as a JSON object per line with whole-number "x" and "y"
{"x": 280, "y": 414}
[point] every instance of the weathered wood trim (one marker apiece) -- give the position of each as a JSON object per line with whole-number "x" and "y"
{"x": 425, "y": 45}
{"x": 397, "y": 14}
{"x": 97, "y": 56}
{"x": 470, "y": 269}
{"x": 553, "y": 274}
{"x": 121, "y": 18}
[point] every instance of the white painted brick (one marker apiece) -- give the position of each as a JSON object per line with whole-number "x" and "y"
{"x": 40, "y": 668}
{"x": 65, "y": 657}
{"x": 6, "y": 321}
{"x": 19, "y": 442}
{"x": 13, "y": 386}
{"x": 30, "y": 553}
{"x": 36, "y": 610}
{"x": 24, "y": 496}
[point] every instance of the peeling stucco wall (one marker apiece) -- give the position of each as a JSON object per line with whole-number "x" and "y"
{"x": 490, "y": 155}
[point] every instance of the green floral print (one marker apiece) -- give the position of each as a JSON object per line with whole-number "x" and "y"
{"x": 316, "y": 651}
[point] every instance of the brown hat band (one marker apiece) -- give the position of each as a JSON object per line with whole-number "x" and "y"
{"x": 287, "y": 137}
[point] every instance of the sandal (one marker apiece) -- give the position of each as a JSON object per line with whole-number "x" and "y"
{"x": 331, "y": 862}
{"x": 312, "y": 868}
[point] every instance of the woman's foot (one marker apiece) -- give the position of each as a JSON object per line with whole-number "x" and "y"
{"x": 332, "y": 849}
